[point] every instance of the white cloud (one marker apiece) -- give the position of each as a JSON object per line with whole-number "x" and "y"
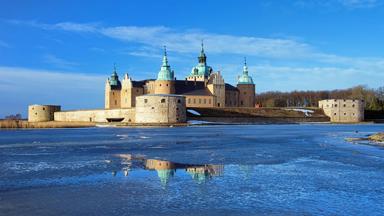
{"x": 58, "y": 62}
{"x": 360, "y": 3}
{"x": 4, "y": 44}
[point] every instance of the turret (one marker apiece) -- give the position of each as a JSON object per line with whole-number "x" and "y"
{"x": 112, "y": 91}
{"x": 165, "y": 82}
{"x": 201, "y": 71}
{"x": 246, "y": 88}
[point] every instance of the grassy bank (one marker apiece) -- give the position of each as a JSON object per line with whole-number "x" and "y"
{"x": 50, "y": 124}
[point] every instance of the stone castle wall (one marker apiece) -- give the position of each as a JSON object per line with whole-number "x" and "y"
{"x": 160, "y": 109}
{"x": 340, "y": 110}
{"x": 41, "y": 113}
{"x": 127, "y": 115}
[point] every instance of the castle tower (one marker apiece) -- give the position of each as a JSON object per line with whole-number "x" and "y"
{"x": 165, "y": 82}
{"x": 246, "y": 88}
{"x": 112, "y": 91}
{"x": 201, "y": 71}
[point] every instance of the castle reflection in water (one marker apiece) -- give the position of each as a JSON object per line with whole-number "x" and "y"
{"x": 167, "y": 169}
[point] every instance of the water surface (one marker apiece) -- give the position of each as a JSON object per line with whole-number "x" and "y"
{"x": 305, "y": 169}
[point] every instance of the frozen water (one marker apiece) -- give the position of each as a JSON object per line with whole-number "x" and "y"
{"x": 305, "y": 169}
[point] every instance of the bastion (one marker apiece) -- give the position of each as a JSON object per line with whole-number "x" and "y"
{"x": 343, "y": 110}
{"x": 42, "y": 113}
{"x": 160, "y": 108}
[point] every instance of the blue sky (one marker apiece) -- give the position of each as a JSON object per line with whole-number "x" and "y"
{"x": 61, "y": 52}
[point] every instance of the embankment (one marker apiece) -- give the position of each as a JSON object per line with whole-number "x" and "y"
{"x": 258, "y": 115}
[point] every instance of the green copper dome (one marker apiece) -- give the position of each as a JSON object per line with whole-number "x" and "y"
{"x": 245, "y": 78}
{"x": 114, "y": 80}
{"x": 165, "y": 72}
{"x": 201, "y": 69}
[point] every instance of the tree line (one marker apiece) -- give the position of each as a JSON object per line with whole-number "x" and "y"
{"x": 374, "y": 98}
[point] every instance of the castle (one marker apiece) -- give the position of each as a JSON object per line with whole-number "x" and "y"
{"x": 202, "y": 88}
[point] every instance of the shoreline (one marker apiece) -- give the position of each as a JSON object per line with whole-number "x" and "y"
{"x": 23, "y": 124}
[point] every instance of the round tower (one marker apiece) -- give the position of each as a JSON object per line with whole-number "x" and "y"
{"x": 246, "y": 88}
{"x": 42, "y": 113}
{"x": 165, "y": 82}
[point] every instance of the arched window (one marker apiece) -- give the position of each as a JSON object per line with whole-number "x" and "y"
{"x": 163, "y": 100}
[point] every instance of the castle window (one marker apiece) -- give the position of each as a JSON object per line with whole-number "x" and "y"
{"x": 153, "y": 108}
{"x": 35, "y": 113}
{"x": 178, "y": 101}
{"x": 353, "y": 113}
{"x": 205, "y": 101}
{"x": 163, "y": 100}
{"x": 199, "y": 100}
{"x": 113, "y": 93}
{"x": 145, "y": 100}
{"x": 194, "y": 100}
{"x": 353, "y": 105}
{"x": 189, "y": 100}
{"x": 167, "y": 84}
{"x": 160, "y": 84}
{"x": 334, "y": 113}
{"x": 344, "y": 105}
{"x": 345, "y": 113}
{"x": 241, "y": 102}
{"x": 43, "y": 108}
{"x": 335, "y": 105}
{"x": 177, "y": 108}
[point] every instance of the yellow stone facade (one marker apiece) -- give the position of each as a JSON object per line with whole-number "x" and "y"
{"x": 201, "y": 90}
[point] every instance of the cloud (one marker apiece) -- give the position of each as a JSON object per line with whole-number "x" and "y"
{"x": 4, "y": 44}
{"x": 360, "y": 3}
{"x": 187, "y": 41}
{"x": 58, "y": 62}
{"x": 349, "y": 4}
{"x": 312, "y": 78}
{"x": 153, "y": 38}
{"x": 20, "y": 87}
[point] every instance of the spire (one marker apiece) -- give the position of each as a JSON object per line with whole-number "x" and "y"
{"x": 245, "y": 78}
{"x": 114, "y": 73}
{"x": 165, "y": 59}
{"x": 202, "y": 46}
{"x": 245, "y": 68}
{"x": 165, "y": 72}
{"x": 202, "y": 58}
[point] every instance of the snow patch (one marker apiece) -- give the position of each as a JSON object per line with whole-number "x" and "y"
{"x": 306, "y": 112}
{"x": 194, "y": 112}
